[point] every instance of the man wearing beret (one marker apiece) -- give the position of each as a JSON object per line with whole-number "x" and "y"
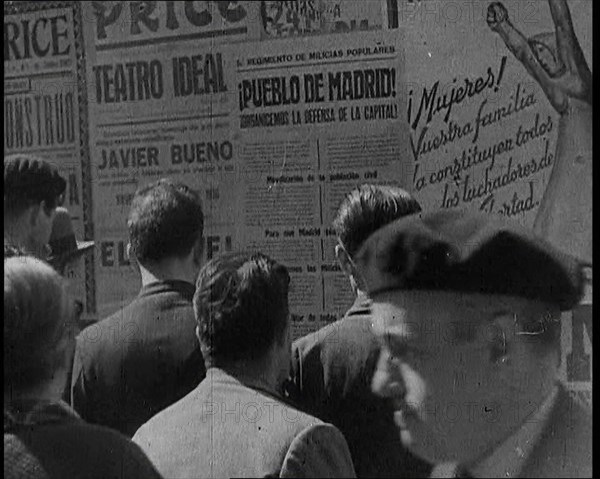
{"x": 467, "y": 310}
{"x": 32, "y": 191}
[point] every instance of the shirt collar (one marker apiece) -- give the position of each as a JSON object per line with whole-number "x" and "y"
{"x": 361, "y": 306}
{"x": 217, "y": 374}
{"x": 183, "y": 287}
{"x": 508, "y": 459}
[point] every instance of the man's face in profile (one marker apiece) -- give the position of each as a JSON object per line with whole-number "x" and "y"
{"x": 435, "y": 368}
{"x": 40, "y": 224}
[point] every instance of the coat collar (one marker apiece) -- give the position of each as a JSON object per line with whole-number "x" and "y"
{"x": 218, "y": 375}
{"x": 509, "y": 458}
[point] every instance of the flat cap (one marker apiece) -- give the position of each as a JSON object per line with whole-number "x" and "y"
{"x": 452, "y": 250}
{"x": 31, "y": 177}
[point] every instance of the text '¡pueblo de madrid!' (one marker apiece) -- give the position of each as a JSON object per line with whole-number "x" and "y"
{"x": 273, "y": 91}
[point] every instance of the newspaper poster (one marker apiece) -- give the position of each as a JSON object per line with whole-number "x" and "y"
{"x": 314, "y": 119}
{"x": 45, "y": 112}
{"x": 161, "y": 87}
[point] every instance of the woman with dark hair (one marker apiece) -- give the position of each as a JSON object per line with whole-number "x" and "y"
{"x": 43, "y": 436}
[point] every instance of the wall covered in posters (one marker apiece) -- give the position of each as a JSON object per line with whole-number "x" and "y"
{"x": 45, "y": 108}
{"x": 275, "y": 109}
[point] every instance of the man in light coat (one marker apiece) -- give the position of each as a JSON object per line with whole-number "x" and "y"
{"x": 235, "y": 424}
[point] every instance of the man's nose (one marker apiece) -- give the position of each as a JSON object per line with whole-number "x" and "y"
{"x": 387, "y": 381}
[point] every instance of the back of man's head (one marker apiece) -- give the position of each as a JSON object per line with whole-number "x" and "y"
{"x": 241, "y": 305}
{"x": 368, "y": 208}
{"x": 165, "y": 221}
{"x": 39, "y": 324}
{"x": 28, "y": 181}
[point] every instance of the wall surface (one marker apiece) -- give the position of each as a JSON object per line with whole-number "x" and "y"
{"x": 274, "y": 110}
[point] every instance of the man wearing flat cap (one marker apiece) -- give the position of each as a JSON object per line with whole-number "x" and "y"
{"x": 32, "y": 191}
{"x": 467, "y": 309}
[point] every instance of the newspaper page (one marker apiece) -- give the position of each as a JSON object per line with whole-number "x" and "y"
{"x": 315, "y": 119}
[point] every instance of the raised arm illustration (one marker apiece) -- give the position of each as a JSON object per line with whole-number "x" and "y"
{"x": 557, "y": 63}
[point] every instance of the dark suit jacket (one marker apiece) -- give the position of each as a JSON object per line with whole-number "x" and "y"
{"x": 228, "y": 427}
{"x": 565, "y": 446}
{"x": 331, "y": 373}
{"x": 140, "y": 360}
{"x": 50, "y": 441}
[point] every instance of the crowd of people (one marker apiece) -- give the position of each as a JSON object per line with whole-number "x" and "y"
{"x": 446, "y": 365}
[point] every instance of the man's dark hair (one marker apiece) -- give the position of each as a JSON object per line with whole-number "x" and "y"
{"x": 28, "y": 181}
{"x": 369, "y": 208}
{"x": 241, "y": 305}
{"x": 10, "y": 250}
{"x": 165, "y": 220}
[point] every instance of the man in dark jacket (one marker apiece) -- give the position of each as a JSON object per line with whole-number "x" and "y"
{"x": 43, "y": 437}
{"x": 332, "y": 369}
{"x": 144, "y": 357}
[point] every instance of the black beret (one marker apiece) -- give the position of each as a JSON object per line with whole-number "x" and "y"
{"x": 29, "y": 177}
{"x": 452, "y": 250}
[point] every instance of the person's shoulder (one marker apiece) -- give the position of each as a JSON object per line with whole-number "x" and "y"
{"x": 316, "y": 431}
{"x": 105, "y": 331}
{"x": 75, "y": 448}
{"x": 570, "y": 409}
{"x": 351, "y": 328}
{"x": 302, "y": 419}
{"x": 565, "y": 446}
{"x": 114, "y": 447}
{"x": 102, "y": 437}
{"x": 348, "y": 335}
{"x": 176, "y": 417}
{"x": 319, "y": 449}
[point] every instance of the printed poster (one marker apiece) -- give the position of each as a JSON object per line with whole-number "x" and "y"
{"x": 162, "y": 86}
{"x": 315, "y": 119}
{"x": 45, "y": 109}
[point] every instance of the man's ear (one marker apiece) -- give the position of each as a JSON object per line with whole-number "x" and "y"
{"x": 33, "y": 213}
{"x": 128, "y": 250}
{"x": 344, "y": 260}
{"x": 44, "y": 208}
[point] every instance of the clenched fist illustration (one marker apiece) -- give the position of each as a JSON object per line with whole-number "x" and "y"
{"x": 557, "y": 63}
